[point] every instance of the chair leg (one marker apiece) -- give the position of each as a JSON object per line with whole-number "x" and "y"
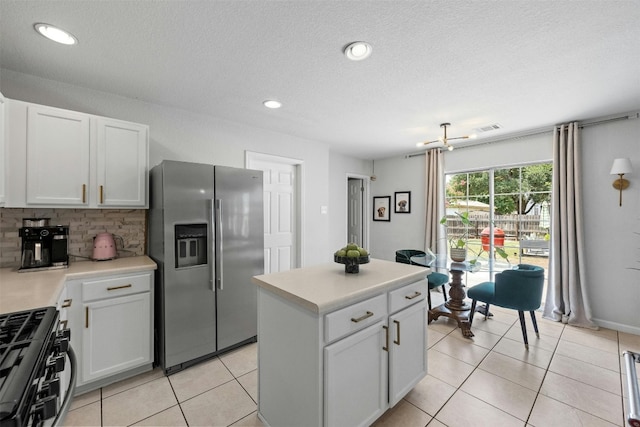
{"x": 444, "y": 292}
{"x": 429, "y": 298}
{"x": 524, "y": 329}
{"x": 535, "y": 324}
{"x": 486, "y": 311}
{"x": 472, "y": 312}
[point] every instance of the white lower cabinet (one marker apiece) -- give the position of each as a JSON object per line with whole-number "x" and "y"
{"x": 114, "y": 339}
{"x": 111, "y": 327}
{"x": 367, "y": 357}
{"x": 355, "y": 391}
{"x": 407, "y": 350}
{"x": 373, "y": 369}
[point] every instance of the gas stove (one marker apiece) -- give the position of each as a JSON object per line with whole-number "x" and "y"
{"x": 32, "y": 358}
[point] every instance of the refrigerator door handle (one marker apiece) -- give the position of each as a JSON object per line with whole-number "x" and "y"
{"x": 219, "y": 238}
{"x": 211, "y": 241}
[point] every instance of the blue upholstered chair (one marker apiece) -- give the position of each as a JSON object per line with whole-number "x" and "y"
{"x": 435, "y": 279}
{"x": 518, "y": 289}
{"x": 404, "y": 255}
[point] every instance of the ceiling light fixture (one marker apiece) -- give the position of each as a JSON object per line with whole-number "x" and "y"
{"x": 270, "y": 103}
{"x": 357, "y": 51}
{"x": 56, "y": 34}
{"x": 444, "y": 139}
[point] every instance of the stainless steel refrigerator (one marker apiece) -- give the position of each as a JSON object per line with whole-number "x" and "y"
{"x": 206, "y": 233}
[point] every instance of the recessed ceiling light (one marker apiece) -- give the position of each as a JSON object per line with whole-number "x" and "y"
{"x": 357, "y": 51}
{"x": 56, "y": 34}
{"x": 272, "y": 104}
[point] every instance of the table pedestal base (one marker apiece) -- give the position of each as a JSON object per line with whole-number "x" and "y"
{"x": 462, "y": 317}
{"x": 455, "y": 308}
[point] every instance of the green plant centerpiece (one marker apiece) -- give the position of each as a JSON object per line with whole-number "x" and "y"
{"x": 458, "y": 244}
{"x": 351, "y": 256}
{"x": 458, "y": 247}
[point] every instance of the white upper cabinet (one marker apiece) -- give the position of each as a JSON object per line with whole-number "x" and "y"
{"x": 62, "y": 158}
{"x": 122, "y": 163}
{"x": 58, "y": 143}
{"x": 2, "y": 152}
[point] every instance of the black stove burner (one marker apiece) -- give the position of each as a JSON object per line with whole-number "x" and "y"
{"x": 22, "y": 326}
{"x": 27, "y": 341}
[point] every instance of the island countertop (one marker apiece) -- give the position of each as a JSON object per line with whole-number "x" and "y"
{"x": 25, "y": 291}
{"x": 326, "y": 287}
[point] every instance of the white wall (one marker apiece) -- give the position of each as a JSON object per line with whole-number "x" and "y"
{"x": 523, "y": 150}
{"x": 341, "y": 166}
{"x": 612, "y": 232}
{"x": 182, "y": 135}
{"x": 404, "y": 231}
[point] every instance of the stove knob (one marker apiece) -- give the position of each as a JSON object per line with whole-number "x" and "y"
{"x": 56, "y": 363}
{"x": 50, "y": 388}
{"x": 61, "y": 344}
{"x": 46, "y": 408}
{"x": 64, "y": 333}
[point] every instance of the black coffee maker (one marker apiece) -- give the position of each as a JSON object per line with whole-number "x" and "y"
{"x": 43, "y": 246}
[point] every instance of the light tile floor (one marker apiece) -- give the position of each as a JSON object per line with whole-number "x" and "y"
{"x": 569, "y": 377}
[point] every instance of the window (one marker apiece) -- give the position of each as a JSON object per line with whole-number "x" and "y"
{"x": 516, "y": 201}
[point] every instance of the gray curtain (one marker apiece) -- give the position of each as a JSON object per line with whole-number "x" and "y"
{"x": 434, "y": 199}
{"x": 566, "y": 299}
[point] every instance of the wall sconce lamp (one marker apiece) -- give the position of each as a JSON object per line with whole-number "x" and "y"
{"x": 621, "y": 167}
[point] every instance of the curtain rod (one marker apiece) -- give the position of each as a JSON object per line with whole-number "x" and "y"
{"x": 535, "y": 132}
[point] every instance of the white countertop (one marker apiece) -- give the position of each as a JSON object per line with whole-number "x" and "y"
{"x": 326, "y": 287}
{"x": 25, "y": 291}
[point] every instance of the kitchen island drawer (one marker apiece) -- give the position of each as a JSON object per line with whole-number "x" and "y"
{"x": 408, "y": 295}
{"x": 116, "y": 286}
{"x": 355, "y": 317}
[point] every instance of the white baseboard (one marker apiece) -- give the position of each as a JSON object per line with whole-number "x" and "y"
{"x": 635, "y": 330}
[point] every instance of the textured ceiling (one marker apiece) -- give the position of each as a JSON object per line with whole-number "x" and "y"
{"x": 525, "y": 65}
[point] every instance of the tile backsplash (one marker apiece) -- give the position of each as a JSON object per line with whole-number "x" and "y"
{"x": 84, "y": 224}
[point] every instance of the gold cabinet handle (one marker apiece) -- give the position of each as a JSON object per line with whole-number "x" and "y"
{"x": 415, "y": 295}
{"x": 386, "y": 340}
{"x": 86, "y": 317}
{"x": 397, "y": 342}
{"x": 113, "y": 288}
{"x": 84, "y": 193}
{"x": 101, "y": 194}
{"x": 361, "y": 318}
{"x": 66, "y": 303}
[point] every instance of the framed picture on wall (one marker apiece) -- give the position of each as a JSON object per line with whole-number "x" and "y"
{"x": 382, "y": 208}
{"x": 402, "y": 202}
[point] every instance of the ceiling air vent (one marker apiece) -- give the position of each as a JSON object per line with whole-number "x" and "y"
{"x": 489, "y": 128}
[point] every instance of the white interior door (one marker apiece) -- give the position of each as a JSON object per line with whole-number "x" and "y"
{"x": 355, "y": 203}
{"x": 280, "y": 211}
{"x": 357, "y": 208}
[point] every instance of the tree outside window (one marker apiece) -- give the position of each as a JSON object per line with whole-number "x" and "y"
{"x": 522, "y": 199}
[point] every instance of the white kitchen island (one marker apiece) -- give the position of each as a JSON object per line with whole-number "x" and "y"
{"x": 337, "y": 349}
